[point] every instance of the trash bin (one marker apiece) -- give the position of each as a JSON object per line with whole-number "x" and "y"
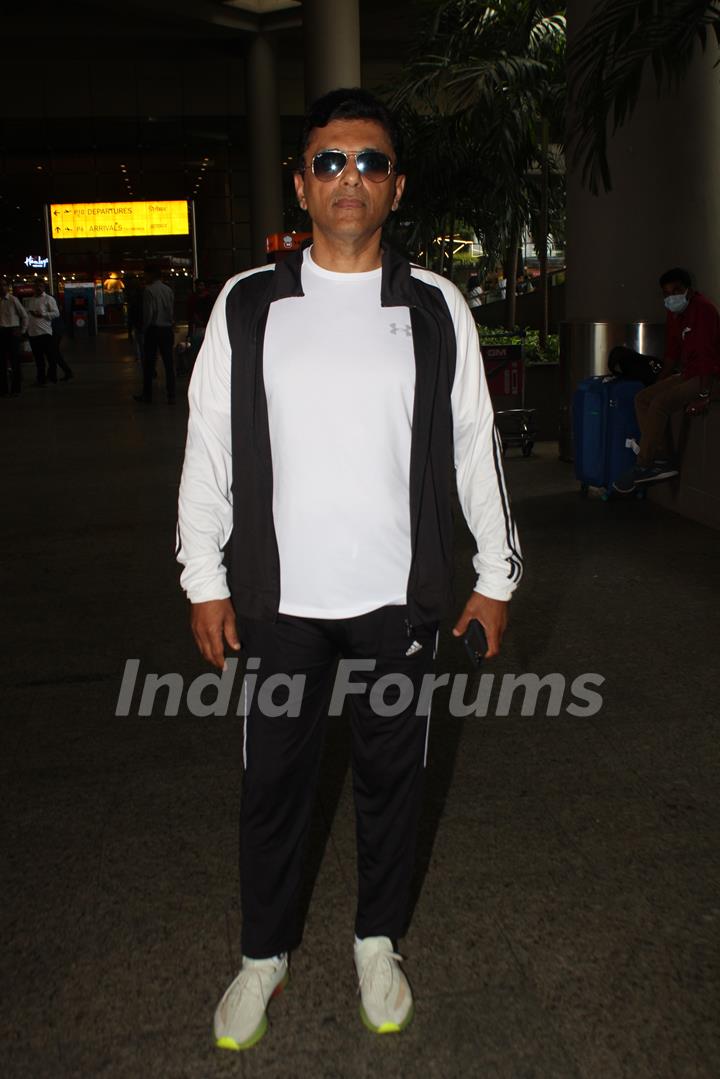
{"x": 584, "y": 350}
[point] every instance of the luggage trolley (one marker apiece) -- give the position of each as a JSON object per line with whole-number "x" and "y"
{"x": 505, "y": 374}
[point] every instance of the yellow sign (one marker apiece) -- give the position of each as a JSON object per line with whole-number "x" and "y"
{"x": 93, "y": 220}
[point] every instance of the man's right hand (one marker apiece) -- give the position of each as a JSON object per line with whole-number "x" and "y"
{"x": 698, "y": 406}
{"x": 212, "y": 624}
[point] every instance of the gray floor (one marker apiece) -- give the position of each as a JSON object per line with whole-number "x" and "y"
{"x": 568, "y": 907}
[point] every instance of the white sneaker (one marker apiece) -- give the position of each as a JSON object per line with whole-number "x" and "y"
{"x": 240, "y": 1019}
{"x": 387, "y": 1003}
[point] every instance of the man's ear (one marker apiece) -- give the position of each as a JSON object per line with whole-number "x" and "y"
{"x": 299, "y": 181}
{"x": 399, "y": 189}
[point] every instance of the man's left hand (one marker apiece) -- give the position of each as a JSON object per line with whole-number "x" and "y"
{"x": 492, "y": 615}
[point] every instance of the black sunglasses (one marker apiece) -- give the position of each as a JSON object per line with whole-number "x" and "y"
{"x": 372, "y": 165}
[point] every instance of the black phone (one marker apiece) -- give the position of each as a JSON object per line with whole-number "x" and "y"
{"x": 475, "y": 642}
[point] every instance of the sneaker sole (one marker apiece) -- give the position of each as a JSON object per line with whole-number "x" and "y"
{"x": 668, "y": 475}
{"x": 260, "y": 1030}
{"x": 387, "y": 1028}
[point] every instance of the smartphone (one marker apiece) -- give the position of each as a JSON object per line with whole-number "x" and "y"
{"x": 475, "y": 642}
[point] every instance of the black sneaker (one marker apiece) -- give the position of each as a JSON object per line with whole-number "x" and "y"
{"x": 657, "y": 471}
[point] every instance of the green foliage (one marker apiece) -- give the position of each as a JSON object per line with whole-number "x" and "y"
{"x": 529, "y": 338}
{"x": 480, "y": 83}
{"x": 620, "y": 40}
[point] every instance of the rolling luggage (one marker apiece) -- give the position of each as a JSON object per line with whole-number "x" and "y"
{"x": 605, "y": 430}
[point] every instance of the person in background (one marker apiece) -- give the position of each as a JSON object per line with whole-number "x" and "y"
{"x": 692, "y": 344}
{"x": 158, "y": 335}
{"x": 474, "y": 291}
{"x": 42, "y": 309}
{"x": 134, "y": 289}
{"x": 199, "y": 306}
{"x": 13, "y": 324}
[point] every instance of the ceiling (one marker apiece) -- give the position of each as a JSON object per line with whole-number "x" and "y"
{"x": 385, "y": 25}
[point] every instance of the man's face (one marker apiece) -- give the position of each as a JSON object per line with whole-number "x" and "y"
{"x": 349, "y": 207}
{"x": 674, "y": 288}
{"x": 39, "y": 290}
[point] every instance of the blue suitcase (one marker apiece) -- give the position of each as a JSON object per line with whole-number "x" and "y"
{"x": 604, "y": 428}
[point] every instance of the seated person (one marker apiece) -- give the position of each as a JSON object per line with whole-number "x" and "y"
{"x": 692, "y": 343}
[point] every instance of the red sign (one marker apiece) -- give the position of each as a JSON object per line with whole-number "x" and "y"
{"x": 504, "y": 370}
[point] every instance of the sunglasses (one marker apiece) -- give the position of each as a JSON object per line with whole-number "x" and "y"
{"x": 372, "y": 165}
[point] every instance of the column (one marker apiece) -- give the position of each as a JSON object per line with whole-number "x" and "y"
{"x": 331, "y": 32}
{"x": 264, "y": 146}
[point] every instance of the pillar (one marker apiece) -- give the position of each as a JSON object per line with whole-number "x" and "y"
{"x": 331, "y": 32}
{"x": 264, "y": 146}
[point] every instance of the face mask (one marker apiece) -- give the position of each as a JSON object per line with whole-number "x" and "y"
{"x": 676, "y": 304}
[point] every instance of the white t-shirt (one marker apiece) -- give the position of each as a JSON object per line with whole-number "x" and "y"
{"x": 339, "y": 375}
{"x": 42, "y": 309}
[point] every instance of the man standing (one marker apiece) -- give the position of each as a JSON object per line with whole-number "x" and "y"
{"x": 13, "y": 324}
{"x": 43, "y": 308}
{"x": 158, "y": 321}
{"x": 692, "y": 343}
{"x": 333, "y": 393}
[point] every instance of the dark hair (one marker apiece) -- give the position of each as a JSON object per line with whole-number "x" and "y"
{"x": 349, "y": 103}
{"x": 677, "y": 274}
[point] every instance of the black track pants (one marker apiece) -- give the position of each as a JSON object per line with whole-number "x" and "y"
{"x": 282, "y": 758}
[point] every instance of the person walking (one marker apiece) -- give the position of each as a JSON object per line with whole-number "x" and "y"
{"x": 158, "y": 322}
{"x": 13, "y": 324}
{"x": 331, "y": 397}
{"x": 42, "y": 309}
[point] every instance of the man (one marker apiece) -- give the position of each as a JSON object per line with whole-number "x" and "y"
{"x": 692, "y": 343}
{"x": 323, "y": 410}
{"x": 13, "y": 324}
{"x": 199, "y": 306}
{"x": 158, "y": 321}
{"x": 42, "y": 309}
{"x": 474, "y": 291}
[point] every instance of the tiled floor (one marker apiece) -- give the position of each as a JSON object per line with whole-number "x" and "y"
{"x": 568, "y": 893}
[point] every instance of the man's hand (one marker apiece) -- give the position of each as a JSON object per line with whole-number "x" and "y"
{"x": 698, "y": 407}
{"x": 492, "y": 616}
{"x": 212, "y": 624}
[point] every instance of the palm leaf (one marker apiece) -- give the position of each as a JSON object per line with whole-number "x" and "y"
{"x": 620, "y": 41}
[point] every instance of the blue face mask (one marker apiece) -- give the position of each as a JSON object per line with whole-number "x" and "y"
{"x": 676, "y": 304}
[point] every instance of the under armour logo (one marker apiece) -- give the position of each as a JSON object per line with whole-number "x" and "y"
{"x": 395, "y": 329}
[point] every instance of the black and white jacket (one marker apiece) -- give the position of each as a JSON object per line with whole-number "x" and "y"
{"x": 226, "y": 534}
